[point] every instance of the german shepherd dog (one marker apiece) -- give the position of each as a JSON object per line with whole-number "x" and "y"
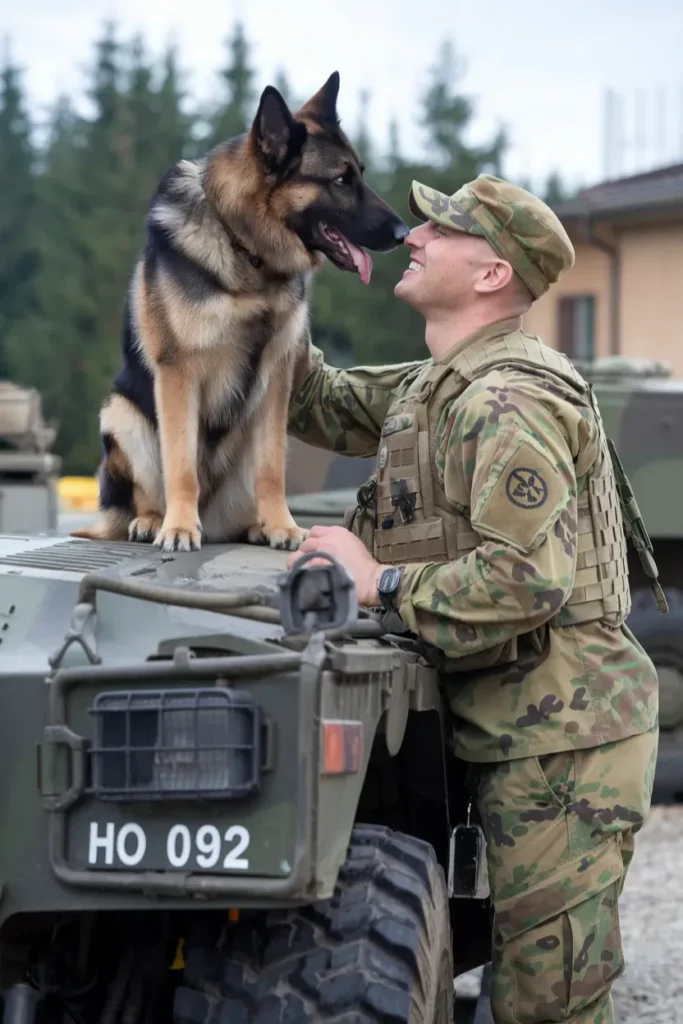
{"x": 194, "y": 430}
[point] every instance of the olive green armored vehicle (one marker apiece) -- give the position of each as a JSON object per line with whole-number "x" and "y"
{"x": 227, "y": 796}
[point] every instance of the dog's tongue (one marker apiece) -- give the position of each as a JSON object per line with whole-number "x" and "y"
{"x": 362, "y": 261}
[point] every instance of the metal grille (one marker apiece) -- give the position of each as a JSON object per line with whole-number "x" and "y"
{"x": 76, "y": 556}
{"x": 164, "y": 744}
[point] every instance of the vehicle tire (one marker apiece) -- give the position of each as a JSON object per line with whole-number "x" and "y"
{"x": 668, "y": 781}
{"x": 378, "y": 951}
{"x": 662, "y": 638}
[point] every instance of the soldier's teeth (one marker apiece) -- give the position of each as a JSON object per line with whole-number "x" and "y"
{"x": 414, "y": 266}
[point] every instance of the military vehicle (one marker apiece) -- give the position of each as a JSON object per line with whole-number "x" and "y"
{"x": 642, "y": 409}
{"x": 29, "y": 471}
{"x": 227, "y": 796}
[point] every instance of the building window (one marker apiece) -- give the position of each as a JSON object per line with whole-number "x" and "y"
{"x": 576, "y": 332}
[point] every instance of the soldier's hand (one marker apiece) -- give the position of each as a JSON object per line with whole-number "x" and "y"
{"x": 351, "y": 553}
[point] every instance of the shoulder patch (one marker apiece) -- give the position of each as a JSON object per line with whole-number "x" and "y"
{"x": 523, "y": 495}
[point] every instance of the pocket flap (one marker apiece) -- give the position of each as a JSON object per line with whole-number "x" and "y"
{"x": 577, "y": 880}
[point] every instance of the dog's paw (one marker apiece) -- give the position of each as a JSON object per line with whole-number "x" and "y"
{"x": 285, "y": 538}
{"x": 256, "y": 535}
{"x": 145, "y": 528}
{"x": 178, "y": 538}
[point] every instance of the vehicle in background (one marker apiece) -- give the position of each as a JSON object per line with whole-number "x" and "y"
{"x": 29, "y": 470}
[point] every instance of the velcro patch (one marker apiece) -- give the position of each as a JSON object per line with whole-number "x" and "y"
{"x": 398, "y": 422}
{"x": 522, "y": 497}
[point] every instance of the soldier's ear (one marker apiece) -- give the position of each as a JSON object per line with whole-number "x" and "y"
{"x": 278, "y": 137}
{"x": 494, "y": 275}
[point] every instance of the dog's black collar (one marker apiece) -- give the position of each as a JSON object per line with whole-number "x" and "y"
{"x": 255, "y": 260}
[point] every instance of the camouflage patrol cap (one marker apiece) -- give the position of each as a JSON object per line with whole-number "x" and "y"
{"x": 520, "y": 227}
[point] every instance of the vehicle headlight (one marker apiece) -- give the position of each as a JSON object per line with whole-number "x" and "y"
{"x": 194, "y": 744}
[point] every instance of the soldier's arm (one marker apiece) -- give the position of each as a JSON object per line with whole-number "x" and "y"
{"x": 343, "y": 410}
{"x": 507, "y": 458}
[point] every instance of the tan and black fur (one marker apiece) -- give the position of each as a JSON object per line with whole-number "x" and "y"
{"x": 216, "y": 315}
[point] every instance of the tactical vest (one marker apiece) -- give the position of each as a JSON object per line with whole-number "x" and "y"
{"x": 402, "y": 514}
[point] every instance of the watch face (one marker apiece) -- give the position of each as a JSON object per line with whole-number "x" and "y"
{"x": 389, "y": 580}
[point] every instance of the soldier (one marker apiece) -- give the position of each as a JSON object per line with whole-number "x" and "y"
{"x": 493, "y": 528}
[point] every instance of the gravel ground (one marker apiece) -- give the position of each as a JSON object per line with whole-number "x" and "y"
{"x": 651, "y": 989}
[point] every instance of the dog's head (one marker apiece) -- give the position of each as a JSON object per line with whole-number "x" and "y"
{"x": 315, "y": 181}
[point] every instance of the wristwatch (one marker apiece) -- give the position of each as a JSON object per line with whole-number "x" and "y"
{"x": 388, "y": 585}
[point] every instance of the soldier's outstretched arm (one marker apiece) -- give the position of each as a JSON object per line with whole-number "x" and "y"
{"x": 343, "y": 410}
{"x": 507, "y": 456}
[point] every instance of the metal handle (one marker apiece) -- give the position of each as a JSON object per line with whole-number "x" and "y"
{"x": 61, "y": 735}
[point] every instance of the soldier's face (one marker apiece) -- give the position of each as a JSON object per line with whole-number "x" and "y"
{"x": 445, "y": 270}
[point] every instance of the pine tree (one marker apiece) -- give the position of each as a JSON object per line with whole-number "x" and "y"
{"x": 555, "y": 191}
{"x": 445, "y": 120}
{"x": 284, "y": 87}
{"x": 363, "y": 140}
{"x": 102, "y": 231}
{"x": 175, "y": 128}
{"x": 138, "y": 112}
{"x": 394, "y": 156}
{"x": 18, "y": 257}
{"x": 235, "y": 113}
{"x": 98, "y": 177}
{"x": 46, "y": 348}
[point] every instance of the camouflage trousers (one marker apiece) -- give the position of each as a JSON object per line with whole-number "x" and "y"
{"x": 560, "y": 835}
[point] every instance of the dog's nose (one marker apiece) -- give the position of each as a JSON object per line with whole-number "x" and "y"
{"x": 401, "y": 231}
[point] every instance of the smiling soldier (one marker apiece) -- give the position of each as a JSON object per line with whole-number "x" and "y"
{"x": 493, "y": 528}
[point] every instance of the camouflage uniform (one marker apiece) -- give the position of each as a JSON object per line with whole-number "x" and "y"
{"x": 495, "y": 490}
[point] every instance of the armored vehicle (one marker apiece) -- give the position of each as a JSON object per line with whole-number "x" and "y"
{"x": 642, "y": 409}
{"x": 227, "y": 796}
{"x": 29, "y": 471}
{"x": 228, "y": 791}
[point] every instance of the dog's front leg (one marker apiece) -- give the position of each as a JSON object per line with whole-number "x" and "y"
{"x": 275, "y": 522}
{"x": 177, "y": 401}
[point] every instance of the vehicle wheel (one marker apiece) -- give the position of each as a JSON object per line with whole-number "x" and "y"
{"x": 668, "y": 781}
{"x": 662, "y": 638}
{"x": 378, "y": 950}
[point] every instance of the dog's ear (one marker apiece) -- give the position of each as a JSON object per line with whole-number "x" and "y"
{"x": 278, "y": 136}
{"x": 323, "y": 106}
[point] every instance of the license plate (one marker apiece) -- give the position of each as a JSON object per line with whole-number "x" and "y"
{"x": 179, "y": 847}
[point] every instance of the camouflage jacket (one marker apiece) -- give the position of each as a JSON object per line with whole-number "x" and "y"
{"x": 591, "y": 683}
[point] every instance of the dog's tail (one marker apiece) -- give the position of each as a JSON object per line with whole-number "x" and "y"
{"x": 112, "y": 525}
{"x": 115, "y": 512}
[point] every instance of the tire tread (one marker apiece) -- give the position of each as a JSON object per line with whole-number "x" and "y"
{"x": 365, "y": 956}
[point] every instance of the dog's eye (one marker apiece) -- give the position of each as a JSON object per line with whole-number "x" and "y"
{"x": 344, "y": 179}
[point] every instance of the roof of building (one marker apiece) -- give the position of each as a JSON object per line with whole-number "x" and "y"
{"x": 660, "y": 188}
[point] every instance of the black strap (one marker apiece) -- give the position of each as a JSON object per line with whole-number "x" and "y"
{"x": 255, "y": 260}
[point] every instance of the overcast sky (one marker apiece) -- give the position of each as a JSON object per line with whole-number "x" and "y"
{"x": 538, "y": 66}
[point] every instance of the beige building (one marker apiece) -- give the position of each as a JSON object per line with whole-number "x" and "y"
{"x": 624, "y": 295}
